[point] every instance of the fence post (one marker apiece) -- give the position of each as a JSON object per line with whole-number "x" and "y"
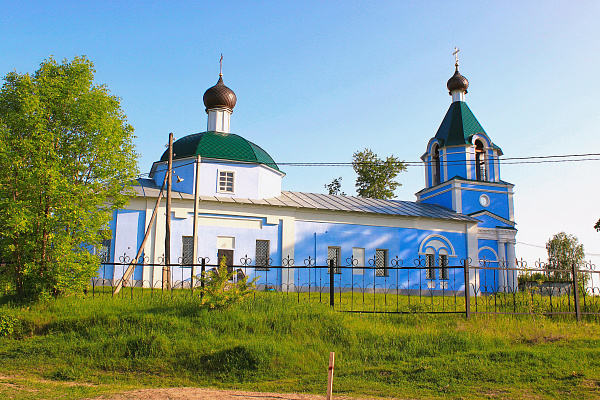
{"x": 576, "y": 292}
{"x": 467, "y": 289}
{"x": 331, "y": 281}
{"x": 202, "y": 269}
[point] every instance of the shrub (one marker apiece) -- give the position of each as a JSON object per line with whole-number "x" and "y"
{"x": 221, "y": 289}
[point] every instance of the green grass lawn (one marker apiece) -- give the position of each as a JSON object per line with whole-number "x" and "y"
{"x": 83, "y": 347}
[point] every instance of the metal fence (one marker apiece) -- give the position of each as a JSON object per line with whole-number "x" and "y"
{"x": 398, "y": 287}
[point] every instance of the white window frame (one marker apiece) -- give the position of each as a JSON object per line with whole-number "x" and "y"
{"x": 223, "y": 177}
{"x": 338, "y": 261}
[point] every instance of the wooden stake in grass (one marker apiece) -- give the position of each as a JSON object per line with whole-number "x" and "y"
{"x": 330, "y": 376}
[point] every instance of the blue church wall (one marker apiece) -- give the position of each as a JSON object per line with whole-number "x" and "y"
{"x": 442, "y": 199}
{"x": 107, "y": 271}
{"x": 129, "y": 232}
{"x": 455, "y": 162}
{"x": 488, "y": 280}
{"x": 184, "y": 168}
{"x": 313, "y": 240}
{"x": 488, "y": 221}
{"x": 244, "y": 240}
{"x": 498, "y": 202}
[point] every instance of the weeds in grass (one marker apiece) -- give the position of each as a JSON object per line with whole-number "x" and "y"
{"x": 276, "y": 343}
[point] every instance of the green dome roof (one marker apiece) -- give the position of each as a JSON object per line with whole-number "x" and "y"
{"x": 222, "y": 146}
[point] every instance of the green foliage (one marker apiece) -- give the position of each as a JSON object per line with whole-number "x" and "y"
{"x": 335, "y": 187}
{"x": 597, "y": 226}
{"x": 220, "y": 290}
{"x": 67, "y": 160}
{"x": 376, "y": 177}
{"x": 7, "y": 325}
{"x": 277, "y": 344}
{"x": 564, "y": 251}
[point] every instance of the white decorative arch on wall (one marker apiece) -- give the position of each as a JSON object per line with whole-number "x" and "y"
{"x": 490, "y": 249}
{"x": 437, "y": 243}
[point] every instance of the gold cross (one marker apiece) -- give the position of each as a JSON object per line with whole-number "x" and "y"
{"x": 221, "y": 65}
{"x": 455, "y": 54}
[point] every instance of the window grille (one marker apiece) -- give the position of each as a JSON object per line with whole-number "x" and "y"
{"x": 430, "y": 266}
{"x": 261, "y": 261}
{"x": 444, "y": 267}
{"x": 104, "y": 251}
{"x": 381, "y": 263}
{"x": 333, "y": 253}
{"x": 187, "y": 250}
{"x": 225, "y": 181}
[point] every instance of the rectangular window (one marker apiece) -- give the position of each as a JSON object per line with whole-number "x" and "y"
{"x": 104, "y": 251}
{"x": 334, "y": 253}
{"x": 261, "y": 260}
{"x": 444, "y": 267}
{"x": 187, "y": 250}
{"x": 430, "y": 266}
{"x": 358, "y": 256}
{"x": 226, "y": 181}
{"x": 381, "y": 263}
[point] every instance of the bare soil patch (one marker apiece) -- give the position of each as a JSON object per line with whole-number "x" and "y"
{"x": 213, "y": 394}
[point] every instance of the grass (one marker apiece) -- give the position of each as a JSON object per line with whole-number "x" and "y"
{"x": 82, "y": 347}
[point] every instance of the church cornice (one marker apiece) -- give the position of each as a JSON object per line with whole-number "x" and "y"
{"x": 499, "y": 234}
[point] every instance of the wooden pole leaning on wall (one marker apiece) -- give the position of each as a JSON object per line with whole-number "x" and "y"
{"x": 133, "y": 263}
{"x": 330, "y": 375}
{"x": 166, "y": 278}
{"x": 195, "y": 227}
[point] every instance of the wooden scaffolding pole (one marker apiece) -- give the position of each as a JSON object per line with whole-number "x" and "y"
{"x": 133, "y": 263}
{"x": 166, "y": 278}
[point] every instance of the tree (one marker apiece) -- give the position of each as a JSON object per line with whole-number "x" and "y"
{"x": 564, "y": 251}
{"x": 67, "y": 161}
{"x": 335, "y": 187}
{"x": 597, "y": 226}
{"x": 376, "y": 178}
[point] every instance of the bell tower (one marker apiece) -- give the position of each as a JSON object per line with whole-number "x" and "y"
{"x": 462, "y": 172}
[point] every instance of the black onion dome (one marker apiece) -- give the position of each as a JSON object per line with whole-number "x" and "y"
{"x": 457, "y": 82}
{"x": 219, "y": 96}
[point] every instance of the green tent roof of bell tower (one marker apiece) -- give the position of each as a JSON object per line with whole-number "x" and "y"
{"x": 459, "y": 126}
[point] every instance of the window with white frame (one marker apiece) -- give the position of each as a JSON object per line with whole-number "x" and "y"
{"x": 334, "y": 253}
{"x": 187, "y": 250}
{"x": 444, "y": 275}
{"x": 226, "y": 179}
{"x": 381, "y": 262}
{"x": 480, "y": 167}
{"x": 261, "y": 260}
{"x": 430, "y": 266}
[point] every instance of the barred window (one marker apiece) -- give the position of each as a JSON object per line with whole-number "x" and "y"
{"x": 104, "y": 251}
{"x": 334, "y": 253}
{"x": 444, "y": 267}
{"x": 381, "y": 263}
{"x": 430, "y": 266}
{"x": 226, "y": 181}
{"x": 187, "y": 250}
{"x": 262, "y": 255}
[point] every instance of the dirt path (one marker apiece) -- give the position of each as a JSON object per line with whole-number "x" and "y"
{"x": 212, "y": 394}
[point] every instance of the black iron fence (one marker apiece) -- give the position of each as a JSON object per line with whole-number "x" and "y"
{"x": 420, "y": 286}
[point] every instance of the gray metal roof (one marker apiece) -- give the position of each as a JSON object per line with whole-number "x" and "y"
{"x": 317, "y": 201}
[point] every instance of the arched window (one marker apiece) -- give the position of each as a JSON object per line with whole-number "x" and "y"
{"x": 480, "y": 170}
{"x": 436, "y": 166}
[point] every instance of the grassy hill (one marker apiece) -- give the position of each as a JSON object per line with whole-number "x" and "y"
{"x": 83, "y": 347}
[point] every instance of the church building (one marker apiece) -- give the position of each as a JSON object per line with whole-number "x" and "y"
{"x": 465, "y": 211}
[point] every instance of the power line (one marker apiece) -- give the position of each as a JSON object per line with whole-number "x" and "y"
{"x": 505, "y": 161}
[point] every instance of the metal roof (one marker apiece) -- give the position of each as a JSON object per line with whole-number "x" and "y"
{"x": 325, "y": 202}
{"x": 222, "y": 146}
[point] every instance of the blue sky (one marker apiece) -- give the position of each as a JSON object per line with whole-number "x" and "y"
{"x": 317, "y": 81}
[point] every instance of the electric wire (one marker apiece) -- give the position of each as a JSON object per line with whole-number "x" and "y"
{"x": 561, "y": 158}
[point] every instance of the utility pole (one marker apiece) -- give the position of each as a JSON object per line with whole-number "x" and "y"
{"x": 195, "y": 233}
{"x": 166, "y": 281}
